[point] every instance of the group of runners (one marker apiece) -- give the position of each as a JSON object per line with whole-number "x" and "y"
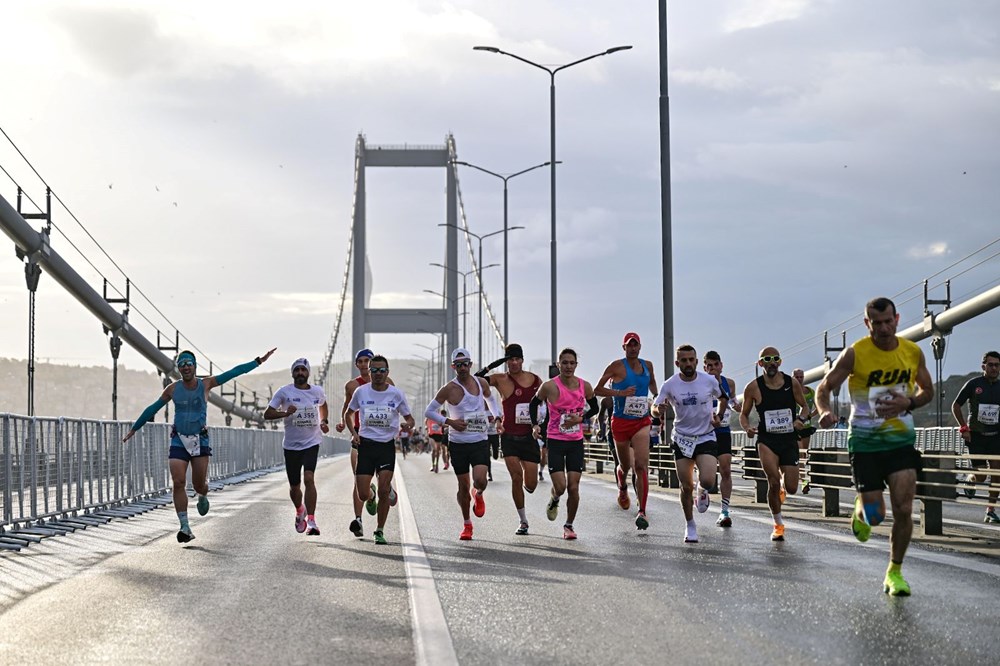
{"x": 887, "y": 379}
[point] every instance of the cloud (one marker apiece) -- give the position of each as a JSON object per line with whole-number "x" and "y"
{"x": 758, "y": 13}
{"x": 714, "y": 78}
{"x": 929, "y": 251}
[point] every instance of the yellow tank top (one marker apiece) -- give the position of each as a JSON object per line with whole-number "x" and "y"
{"x": 876, "y": 375}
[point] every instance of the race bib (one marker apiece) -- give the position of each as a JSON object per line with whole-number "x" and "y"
{"x": 778, "y": 421}
{"x": 521, "y": 414}
{"x": 878, "y": 395}
{"x": 192, "y": 444}
{"x": 377, "y": 417}
{"x": 308, "y": 417}
{"x": 685, "y": 444}
{"x": 477, "y": 422}
{"x": 988, "y": 414}
{"x": 565, "y": 428}
{"x": 635, "y": 406}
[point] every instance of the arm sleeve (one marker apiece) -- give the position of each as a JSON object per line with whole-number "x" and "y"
{"x": 593, "y": 408}
{"x": 533, "y": 409}
{"x": 494, "y": 405}
{"x": 236, "y": 372}
{"x": 433, "y": 412}
{"x": 150, "y": 412}
{"x": 495, "y": 364}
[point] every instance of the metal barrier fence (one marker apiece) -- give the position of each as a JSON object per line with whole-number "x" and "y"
{"x": 827, "y": 466}
{"x": 58, "y": 467}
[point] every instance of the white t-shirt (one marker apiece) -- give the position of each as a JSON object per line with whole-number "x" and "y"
{"x": 379, "y": 411}
{"x": 301, "y": 428}
{"x": 693, "y": 404}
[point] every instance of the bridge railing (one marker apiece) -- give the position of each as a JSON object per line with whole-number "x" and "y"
{"x": 59, "y": 467}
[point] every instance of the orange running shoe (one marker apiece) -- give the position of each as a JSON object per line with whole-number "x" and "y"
{"x": 623, "y": 500}
{"x": 478, "y": 503}
{"x": 779, "y": 533}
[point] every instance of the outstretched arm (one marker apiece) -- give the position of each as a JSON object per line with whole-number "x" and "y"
{"x": 148, "y": 414}
{"x": 242, "y": 369}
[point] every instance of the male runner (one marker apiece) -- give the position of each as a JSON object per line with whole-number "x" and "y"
{"x": 466, "y": 398}
{"x": 723, "y": 436}
{"x": 632, "y": 381}
{"x": 775, "y": 396}
{"x": 379, "y": 406}
{"x": 518, "y": 444}
{"x": 189, "y": 437}
{"x": 436, "y": 433}
{"x": 808, "y": 429}
{"x": 692, "y": 395}
{"x": 981, "y": 432}
{"x": 566, "y": 396}
{"x": 882, "y": 371}
{"x": 306, "y": 417}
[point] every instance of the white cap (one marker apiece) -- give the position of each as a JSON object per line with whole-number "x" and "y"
{"x": 301, "y": 363}
{"x": 459, "y": 353}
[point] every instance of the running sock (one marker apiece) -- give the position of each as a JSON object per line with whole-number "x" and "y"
{"x": 468, "y": 522}
{"x": 725, "y": 505}
{"x": 894, "y": 567}
{"x": 311, "y": 517}
{"x": 691, "y": 524}
{"x": 522, "y": 514}
{"x": 777, "y": 518}
{"x": 183, "y": 517}
{"x": 569, "y": 525}
{"x": 645, "y": 493}
{"x": 357, "y": 518}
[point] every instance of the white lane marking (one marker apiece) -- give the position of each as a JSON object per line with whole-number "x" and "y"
{"x": 970, "y": 563}
{"x": 431, "y": 637}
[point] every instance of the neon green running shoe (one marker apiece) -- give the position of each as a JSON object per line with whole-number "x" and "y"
{"x": 862, "y": 530}
{"x": 895, "y": 585}
{"x": 371, "y": 504}
{"x": 380, "y": 538}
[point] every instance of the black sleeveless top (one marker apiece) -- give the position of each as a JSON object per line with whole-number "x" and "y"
{"x": 777, "y": 409}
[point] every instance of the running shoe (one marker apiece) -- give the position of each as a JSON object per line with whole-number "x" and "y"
{"x": 805, "y": 487}
{"x": 779, "y": 533}
{"x": 541, "y": 476}
{"x": 859, "y": 525}
{"x": 724, "y": 520}
{"x": 703, "y": 500}
{"x": 895, "y": 585}
{"x": 466, "y": 534}
{"x": 300, "y": 521}
{"x": 623, "y": 501}
{"x": 434, "y": 468}
{"x": 691, "y": 534}
{"x": 568, "y": 532}
{"x": 183, "y": 536}
{"x": 380, "y": 538}
{"x": 356, "y": 527}
{"x": 392, "y": 496}
{"x": 489, "y": 477}
{"x": 640, "y": 520}
{"x": 311, "y": 529}
{"x": 446, "y": 466}
{"x": 478, "y": 503}
{"x": 970, "y": 489}
{"x": 522, "y": 529}
{"x": 991, "y": 517}
{"x": 202, "y": 505}
{"x": 552, "y": 510}
{"x": 371, "y": 504}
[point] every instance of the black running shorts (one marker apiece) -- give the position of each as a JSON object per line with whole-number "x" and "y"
{"x": 469, "y": 454}
{"x": 524, "y": 447}
{"x": 566, "y": 456}
{"x": 375, "y": 456}
{"x": 871, "y": 470}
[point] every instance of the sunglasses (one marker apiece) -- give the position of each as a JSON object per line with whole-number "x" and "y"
{"x": 462, "y": 364}
{"x": 185, "y": 364}
{"x": 770, "y": 359}
{"x": 379, "y": 371}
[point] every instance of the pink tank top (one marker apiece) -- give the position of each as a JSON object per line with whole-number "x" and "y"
{"x": 568, "y": 402}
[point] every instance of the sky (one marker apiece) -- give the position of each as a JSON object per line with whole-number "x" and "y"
{"x": 822, "y": 153}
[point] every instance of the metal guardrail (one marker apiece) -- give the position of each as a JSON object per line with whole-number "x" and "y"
{"x": 946, "y": 463}
{"x": 56, "y": 468}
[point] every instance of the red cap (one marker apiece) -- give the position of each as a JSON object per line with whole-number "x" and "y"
{"x": 631, "y": 336}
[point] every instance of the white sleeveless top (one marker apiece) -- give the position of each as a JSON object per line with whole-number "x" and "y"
{"x": 473, "y": 410}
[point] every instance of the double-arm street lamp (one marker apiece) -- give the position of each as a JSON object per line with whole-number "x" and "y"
{"x": 465, "y": 294}
{"x": 506, "y": 311}
{"x": 552, "y": 150}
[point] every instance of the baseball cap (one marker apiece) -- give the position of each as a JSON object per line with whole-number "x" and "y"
{"x": 301, "y": 363}
{"x": 631, "y": 336}
{"x": 366, "y": 353}
{"x": 459, "y": 353}
{"x": 514, "y": 350}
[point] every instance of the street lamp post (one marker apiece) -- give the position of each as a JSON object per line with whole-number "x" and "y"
{"x": 465, "y": 308}
{"x": 465, "y": 295}
{"x": 479, "y": 262}
{"x": 552, "y": 159}
{"x": 506, "y": 311}
{"x": 434, "y": 352}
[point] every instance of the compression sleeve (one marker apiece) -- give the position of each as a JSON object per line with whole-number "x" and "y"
{"x": 495, "y": 364}
{"x": 533, "y": 409}
{"x": 494, "y": 405}
{"x": 433, "y": 412}
{"x": 236, "y": 372}
{"x": 593, "y": 408}
{"x": 150, "y": 412}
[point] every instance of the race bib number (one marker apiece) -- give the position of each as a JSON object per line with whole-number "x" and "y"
{"x": 635, "y": 406}
{"x": 521, "y": 414}
{"x": 306, "y": 418}
{"x": 477, "y": 422}
{"x": 685, "y": 444}
{"x": 880, "y": 395}
{"x": 989, "y": 414}
{"x": 565, "y": 427}
{"x": 377, "y": 417}
{"x": 192, "y": 444}
{"x": 778, "y": 421}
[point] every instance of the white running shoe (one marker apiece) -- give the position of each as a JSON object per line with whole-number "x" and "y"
{"x": 703, "y": 500}
{"x": 691, "y": 534}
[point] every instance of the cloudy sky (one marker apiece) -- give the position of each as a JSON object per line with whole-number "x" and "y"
{"x": 822, "y": 153}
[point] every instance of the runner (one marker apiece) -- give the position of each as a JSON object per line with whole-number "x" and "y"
{"x": 632, "y": 381}
{"x": 379, "y": 405}
{"x": 465, "y": 398}
{"x": 189, "y": 437}
{"x": 436, "y": 432}
{"x": 775, "y": 396}
{"x": 808, "y": 429}
{"x": 518, "y": 445}
{"x": 982, "y": 432}
{"x": 882, "y": 371}
{"x": 306, "y": 416}
{"x": 404, "y": 442}
{"x": 691, "y": 395}
{"x": 566, "y": 396}
{"x": 723, "y": 436}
